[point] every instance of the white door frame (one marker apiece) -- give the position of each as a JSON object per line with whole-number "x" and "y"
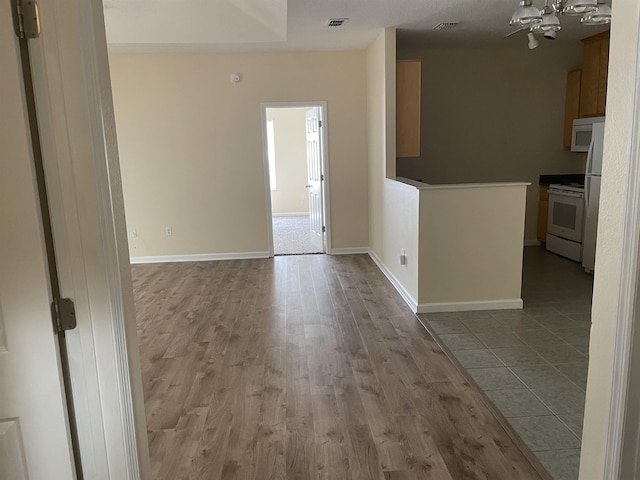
{"x": 324, "y": 149}
{"x": 616, "y": 378}
{"x": 75, "y": 113}
{"x": 623, "y": 437}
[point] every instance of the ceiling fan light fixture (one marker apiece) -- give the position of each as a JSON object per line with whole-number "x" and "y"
{"x": 550, "y": 22}
{"x": 580, "y": 7}
{"x": 526, "y": 15}
{"x": 602, "y": 16}
{"x": 533, "y": 41}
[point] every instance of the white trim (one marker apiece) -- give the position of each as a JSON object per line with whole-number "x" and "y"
{"x": 406, "y": 296}
{"x": 349, "y": 251}
{"x": 532, "y": 243}
{"x": 326, "y": 191}
{"x": 267, "y": 180}
{"x": 292, "y": 214}
{"x": 198, "y": 257}
{"x": 326, "y": 200}
{"x": 513, "y": 304}
{"x": 620, "y": 444}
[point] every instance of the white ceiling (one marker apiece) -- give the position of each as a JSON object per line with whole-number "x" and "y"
{"x": 277, "y": 25}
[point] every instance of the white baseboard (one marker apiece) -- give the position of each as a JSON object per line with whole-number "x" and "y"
{"x": 532, "y": 243}
{"x": 514, "y": 304}
{"x": 406, "y": 296}
{"x": 203, "y": 257}
{"x": 349, "y": 251}
{"x": 292, "y": 214}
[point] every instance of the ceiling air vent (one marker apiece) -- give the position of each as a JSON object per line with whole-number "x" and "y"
{"x": 445, "y": 26}
{"x": 337, "y": 22}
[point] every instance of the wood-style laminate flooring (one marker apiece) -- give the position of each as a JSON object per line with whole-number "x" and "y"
{"x": 304, "y": 367}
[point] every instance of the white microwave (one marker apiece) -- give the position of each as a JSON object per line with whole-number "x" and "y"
{"x": 581, "y": 133}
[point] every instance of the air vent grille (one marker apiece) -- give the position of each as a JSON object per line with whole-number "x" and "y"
{"x": 336, "y": 22}
{"x": 445, "y": 26}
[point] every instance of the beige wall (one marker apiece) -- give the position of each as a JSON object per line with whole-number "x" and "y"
{"x": 191, "y": 145}
{"x": 290, "y": 142}
{"x": 617, "y": 161}
{"x": 471, "y": 245}
{"x": 494, "y": 115}
{"x": 393, "y": 206}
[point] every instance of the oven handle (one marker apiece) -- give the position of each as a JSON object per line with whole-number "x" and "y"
{"x": 565, "y": 194}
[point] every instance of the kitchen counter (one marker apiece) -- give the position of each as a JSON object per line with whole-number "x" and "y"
{"x": 451, "y": 186}
{"x": 459, "y": 245}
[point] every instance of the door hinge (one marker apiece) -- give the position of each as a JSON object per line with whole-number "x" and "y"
{"x": 27, "y": 19}
{"x": 324, "y": 229}
{"x": 320, "y": 123}
{"x": 64, "y": 314}
{"x": 321, "y": 177}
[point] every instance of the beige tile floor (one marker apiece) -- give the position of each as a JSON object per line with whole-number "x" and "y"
{"x": 532, "y": 363}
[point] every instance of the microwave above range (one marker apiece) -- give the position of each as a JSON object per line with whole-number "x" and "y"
{"x": 582, "y": 133}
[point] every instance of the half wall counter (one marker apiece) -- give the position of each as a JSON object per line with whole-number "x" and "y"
{"x": 470, "y": 245}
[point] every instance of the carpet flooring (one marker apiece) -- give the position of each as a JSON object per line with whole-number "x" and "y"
{"x": 291, "y": 236}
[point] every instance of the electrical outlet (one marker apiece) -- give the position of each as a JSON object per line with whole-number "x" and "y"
{"x": 403, "y": 257}
{"x": 134, "y": 233}
{"x": 168, "y": 231}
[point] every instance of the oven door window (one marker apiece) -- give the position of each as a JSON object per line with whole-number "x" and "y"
{"x": 564, "y": 215}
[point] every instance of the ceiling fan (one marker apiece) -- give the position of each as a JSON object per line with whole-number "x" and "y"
{"x": 546, "y": 21}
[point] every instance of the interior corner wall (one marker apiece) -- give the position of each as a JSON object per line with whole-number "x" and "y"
{"x": 393, "y": 206}
{"x": 377, "y": 135}
{"x": 494, "y": 114}
{"x": 290, "y": 144}
{"x": 191, "y": 148}
{"x": 619, "y": 155}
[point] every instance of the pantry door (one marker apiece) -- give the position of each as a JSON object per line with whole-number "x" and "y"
{"x": 34, "y": 433}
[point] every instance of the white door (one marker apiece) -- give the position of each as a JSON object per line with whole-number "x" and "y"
{"x": 314, "y": 178}
{"x": 592, "y": 201}
{"x": 34, "y": 438}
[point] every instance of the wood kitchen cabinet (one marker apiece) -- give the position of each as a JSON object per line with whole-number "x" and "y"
{"x": 572, "y": 104}
{"x": 543, "y": 213}
{"x": 408, "y": 105}
{"x": 595, "y": 69}
{"x": 587, "y": 86}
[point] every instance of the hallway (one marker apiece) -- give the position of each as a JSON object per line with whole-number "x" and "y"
{"x": 304, "y": 367}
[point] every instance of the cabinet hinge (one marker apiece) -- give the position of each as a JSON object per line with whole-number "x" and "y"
{"x": 27, "y": 19}
{"x": 64, "y": 314}
{"x": 324, "y": 229}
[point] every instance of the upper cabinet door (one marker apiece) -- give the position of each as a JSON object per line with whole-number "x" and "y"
{"x": 572, "y": 104}
{"x": 604, "y": 74}
{"x": 595, "y": 67}
{"x": 408, "y": 106}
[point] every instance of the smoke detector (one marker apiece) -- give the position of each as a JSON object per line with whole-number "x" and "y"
{"x": 336, "y": 22}
{"x": 445, "y": 26}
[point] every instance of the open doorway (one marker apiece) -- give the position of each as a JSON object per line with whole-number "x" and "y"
{"x": 297, "y": 174}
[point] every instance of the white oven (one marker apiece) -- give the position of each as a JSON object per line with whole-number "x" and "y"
{"x": 566, "y": 214}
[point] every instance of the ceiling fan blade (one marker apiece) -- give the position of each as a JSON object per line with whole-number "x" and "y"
{"x": 515, "y": 31}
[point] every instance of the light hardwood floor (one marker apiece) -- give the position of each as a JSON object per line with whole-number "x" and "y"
{"x": 304, "y": 367}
